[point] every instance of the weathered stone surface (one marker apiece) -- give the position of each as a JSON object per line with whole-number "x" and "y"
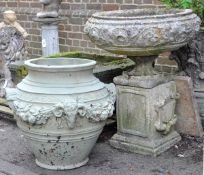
{"x": 145, "y": 119}
{"x": 141, "y": 34}
{"x": 188, "y": 119}
{"x": 2, "y": 173}
{"x": 141, "y": 81}
{"x": 6, "y": 110}
{"x": 3, "y": 102}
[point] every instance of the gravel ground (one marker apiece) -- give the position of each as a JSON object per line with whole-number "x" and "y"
{"x": 185, "y": 158}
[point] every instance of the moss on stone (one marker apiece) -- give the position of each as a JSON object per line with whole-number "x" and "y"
{"x": 21, "y": 72}
{"x": 101, "y": 59}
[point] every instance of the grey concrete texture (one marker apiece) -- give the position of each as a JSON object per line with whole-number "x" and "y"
{"x": 7, "y": 168}
{"x": 183, "y": 159}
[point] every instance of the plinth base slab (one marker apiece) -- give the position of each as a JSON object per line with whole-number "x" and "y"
{"x": 144, "y": 146}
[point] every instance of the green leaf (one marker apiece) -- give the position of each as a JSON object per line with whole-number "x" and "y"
{"x": 186, "y": 4}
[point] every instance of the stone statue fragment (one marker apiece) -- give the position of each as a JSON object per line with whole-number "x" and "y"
{"x": 10, "y": 21}
{"x": 12, "y": 47}
{"x": 189, "y": 61}
{"x": 50, "y": 9}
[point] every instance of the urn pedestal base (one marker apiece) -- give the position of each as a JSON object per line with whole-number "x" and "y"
{"x": 145, "y": 146}
{"x": 145, "y": 118}
{"x": 68, "y": 167}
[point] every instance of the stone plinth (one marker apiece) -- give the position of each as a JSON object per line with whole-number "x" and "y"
{"x": 50, "y": 36}
{"x": 146, "y": 118}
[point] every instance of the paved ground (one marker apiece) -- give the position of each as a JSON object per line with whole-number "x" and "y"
{"x": 183, "y": 159}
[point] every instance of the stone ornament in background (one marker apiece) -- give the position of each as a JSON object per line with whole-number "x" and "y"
{"x": 12, "y": 47}
{"x": 189, "y": 121}
{"x": 10, "y": 20}
{"x": 49, "y": 20}
{"x": 190, "y": 60}
{"x": 50, "y": 9}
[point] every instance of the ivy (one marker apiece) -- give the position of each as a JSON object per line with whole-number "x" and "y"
{"x": 186, "y": 3}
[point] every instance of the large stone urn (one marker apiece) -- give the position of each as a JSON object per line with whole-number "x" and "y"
{"x": 61, "y": 107}
{"x": 145, "y": 98}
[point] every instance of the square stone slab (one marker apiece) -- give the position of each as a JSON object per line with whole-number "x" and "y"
{"x": 188, "y": 118}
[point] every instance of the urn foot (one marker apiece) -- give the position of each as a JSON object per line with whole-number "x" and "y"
{"x": 67, "y": 167}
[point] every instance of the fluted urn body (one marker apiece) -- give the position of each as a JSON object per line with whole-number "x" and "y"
{"x": 61, "y": 107}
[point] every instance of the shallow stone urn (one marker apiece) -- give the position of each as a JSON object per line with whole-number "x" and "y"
{"x": 145, "y": 98}
{"x": 142, "y": 34}
{"x": 61, "y": 107}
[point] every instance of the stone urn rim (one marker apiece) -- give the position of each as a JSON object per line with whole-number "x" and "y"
{"x": 59, "y": 64}
{"x": 123, "y": 14}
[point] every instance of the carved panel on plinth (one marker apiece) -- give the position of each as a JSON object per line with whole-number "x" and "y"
{"x": 132, "y": 112}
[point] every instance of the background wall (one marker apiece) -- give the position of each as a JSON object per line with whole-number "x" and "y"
{"x": 77, "y": 12}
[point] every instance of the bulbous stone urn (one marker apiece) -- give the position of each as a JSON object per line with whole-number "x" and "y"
{"x": 61, "y": 107}
{"x": 146, "y": 99}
